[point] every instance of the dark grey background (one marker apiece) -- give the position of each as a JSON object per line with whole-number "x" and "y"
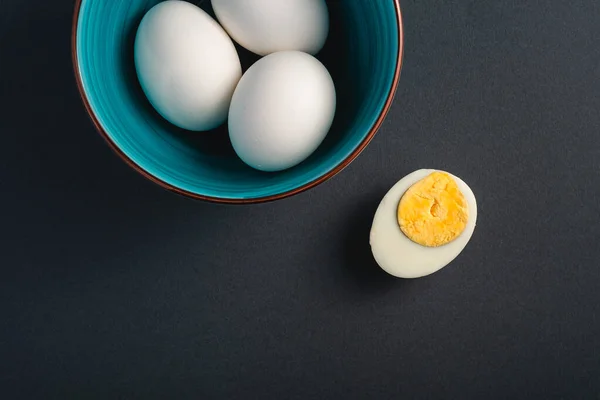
{"x": 112, "y": 287}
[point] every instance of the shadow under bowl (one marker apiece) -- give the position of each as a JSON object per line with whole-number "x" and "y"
{"x": 363, "y": 54}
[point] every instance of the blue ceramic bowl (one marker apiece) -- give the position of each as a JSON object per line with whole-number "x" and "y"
{"x": 363, "y": 54}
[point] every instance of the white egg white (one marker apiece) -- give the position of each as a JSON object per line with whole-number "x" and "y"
{"x": 399, "y": 256}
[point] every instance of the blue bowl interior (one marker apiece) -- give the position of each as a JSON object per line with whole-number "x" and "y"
{"x": 361, "y": 54}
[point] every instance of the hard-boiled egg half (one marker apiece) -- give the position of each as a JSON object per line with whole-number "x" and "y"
{"x": 423, "y": 223}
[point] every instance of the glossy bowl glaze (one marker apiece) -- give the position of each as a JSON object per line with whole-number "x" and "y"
{"x": 363, "y": 54}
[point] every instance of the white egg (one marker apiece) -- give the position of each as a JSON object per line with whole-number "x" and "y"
{"x": 281, "y": 110}
{"x": 267, "y": 26}
{"x": 400, "y": 256}
{"x": 186, "y": 64}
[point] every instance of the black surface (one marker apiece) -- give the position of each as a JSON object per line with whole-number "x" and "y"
{"x": 113, "y": 287}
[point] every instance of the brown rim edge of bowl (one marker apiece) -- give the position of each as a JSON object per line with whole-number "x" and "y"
{"x": 289, "y": 193}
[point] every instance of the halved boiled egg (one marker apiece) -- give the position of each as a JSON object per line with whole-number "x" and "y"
{"x": 423, "y": 223}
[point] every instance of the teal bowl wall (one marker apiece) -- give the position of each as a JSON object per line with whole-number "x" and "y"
{"x": 363, "y": 54}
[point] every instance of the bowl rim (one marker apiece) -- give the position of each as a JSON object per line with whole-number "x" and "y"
{"x": 263, "y": 199}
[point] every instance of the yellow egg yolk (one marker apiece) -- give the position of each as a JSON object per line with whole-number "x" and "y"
{"x": 433, "y": 211}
